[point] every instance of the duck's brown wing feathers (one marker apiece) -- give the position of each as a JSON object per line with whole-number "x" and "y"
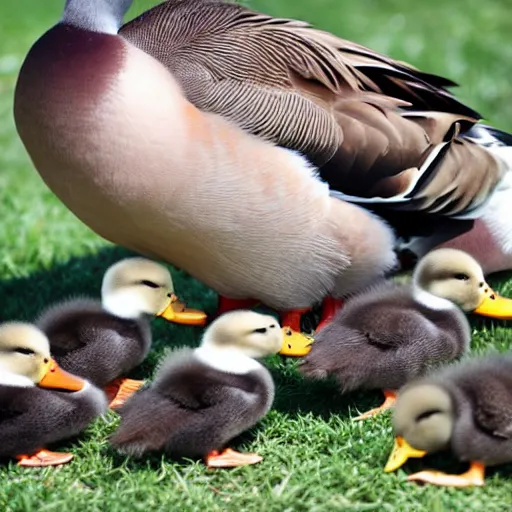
{"x": 371, "y": 122}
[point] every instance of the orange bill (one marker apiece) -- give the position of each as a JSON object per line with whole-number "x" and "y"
{"x": 402, "y": 451}
{"x": 176, "y": 312}
{"x": 55, "y": 377}
{"x": 495, "y": 306}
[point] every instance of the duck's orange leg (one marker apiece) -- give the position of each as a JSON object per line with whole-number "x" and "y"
{"x": 330, "y": 307}
{"x": 473, "y": 476}
{"x": 43, "y": 458}
{"x": 119, "y": 390}
{"x": 292, "y": 318}
{"x": 226, "y": 304}
{"x": 230, "y": 458}
{"x": 389, "y": 402}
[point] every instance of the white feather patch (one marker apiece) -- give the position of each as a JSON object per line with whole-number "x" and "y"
{"x": 227, "y": 360}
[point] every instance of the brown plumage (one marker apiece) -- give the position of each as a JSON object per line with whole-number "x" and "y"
{"x": 369, "y": 121}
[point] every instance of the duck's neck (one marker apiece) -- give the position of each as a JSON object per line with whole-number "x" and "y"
{"x": 229, "y": 360}
{"x": 104, "y": 16}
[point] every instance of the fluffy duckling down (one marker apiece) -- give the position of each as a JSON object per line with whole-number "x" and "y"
{"x": 203, "y": 398}
{"x": 465, "y": 408}
{"x": 40, "y": 402}
{"x": 103, "y": 340}
{"x": 392, "y": 333}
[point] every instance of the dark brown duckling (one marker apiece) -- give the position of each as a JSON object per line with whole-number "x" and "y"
{"x": 203, "y": 398}
{"x": 466, "y": 408}
{"x": 40, "y": 403}
{"x": 393, "y": 333}
{"x": 103, "y": 340}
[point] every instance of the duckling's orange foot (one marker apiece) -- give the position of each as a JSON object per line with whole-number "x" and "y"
{"x": 330, "y": 307}
{"x": 44, "y": 458}
{"x": 473, "y": 477}
{"x": 226, "y": 304}
{"x": 389, "y": 402}
{"x": 230, "y": 458}
{"x": 119, "y": 390}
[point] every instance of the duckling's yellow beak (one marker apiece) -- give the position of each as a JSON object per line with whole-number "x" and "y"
{"x": 54, "y": 377}
{"x": 176, "y": 312}
{"x": 295, "y": 344}
{"x": 494, "y": 305}
{"x": 402, "y": 451}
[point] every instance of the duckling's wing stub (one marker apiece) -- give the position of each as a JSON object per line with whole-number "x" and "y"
{"x": 492, "y": 405}
{"x": 32, "y": 417}
{"x": 191, "y": 409}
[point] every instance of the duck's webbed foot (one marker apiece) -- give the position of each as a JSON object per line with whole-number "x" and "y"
{"x": 44, "y": 458}
{"x": 474, "y": 476}
{"x": 119, "y": 390}
{"x": 230, "y": 458}
{"x": 389, "y": 402}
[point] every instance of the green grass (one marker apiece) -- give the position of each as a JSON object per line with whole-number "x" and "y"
{"x": 315, "y": 458}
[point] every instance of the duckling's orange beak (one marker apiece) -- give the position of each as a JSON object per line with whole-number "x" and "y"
{"x": 494, "y": 305}
{"x": 55, "y": 377}
{"x": 402, "y": 451}
{"x": 176, "y": 312}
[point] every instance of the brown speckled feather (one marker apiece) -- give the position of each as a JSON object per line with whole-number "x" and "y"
{"x": 368, "y": 120}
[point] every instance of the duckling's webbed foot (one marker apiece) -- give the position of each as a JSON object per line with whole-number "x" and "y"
{"x": 474, "y": 476}
{"x": 389, "y": 402}
{"x": 230, "y": 458}
{"x": 330, "y": 307}
{"x": 44, "y": 458}
{"x": 119, "y": 390}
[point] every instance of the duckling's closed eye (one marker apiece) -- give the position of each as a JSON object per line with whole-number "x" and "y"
{"x": 461, "y": 276}
{"x": 25, "y": 351}
{"x": 427, "y": 414}
{"x": 261, "y": 330}
{"x": 151, "y": 284}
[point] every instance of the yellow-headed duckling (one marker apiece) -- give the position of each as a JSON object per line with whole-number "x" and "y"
{"x": 466, "y": 408}
{"x": 39, "y": 402}
{"x": 392, "y": 333}
{"x": 203, "y": 398}
{"x": 103, "y": 340}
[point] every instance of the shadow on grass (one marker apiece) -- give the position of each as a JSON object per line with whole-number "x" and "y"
{"x": 24, "y": 298}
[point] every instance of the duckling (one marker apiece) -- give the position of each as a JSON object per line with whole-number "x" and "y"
{"x": 40, "y": 403}
{"x": 392, "y": 333}
{"x": 101, "y": 341}
{"x": 202, "y": 398}
{"x": 465, "y": 407}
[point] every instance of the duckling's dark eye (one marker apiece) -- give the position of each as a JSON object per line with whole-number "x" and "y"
{"x": 24, "y": 351}
{"x": 150, "y": 284}
{"x": 273, "y": 326}
{"x": 427, "y": 414}
{"x": 261, "y": 330}
{"x": 461, "y": 277}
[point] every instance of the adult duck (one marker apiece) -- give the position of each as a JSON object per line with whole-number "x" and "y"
{"x": 119, "y": 139}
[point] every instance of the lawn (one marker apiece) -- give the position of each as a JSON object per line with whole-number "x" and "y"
{"x": 315, "y": 459}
